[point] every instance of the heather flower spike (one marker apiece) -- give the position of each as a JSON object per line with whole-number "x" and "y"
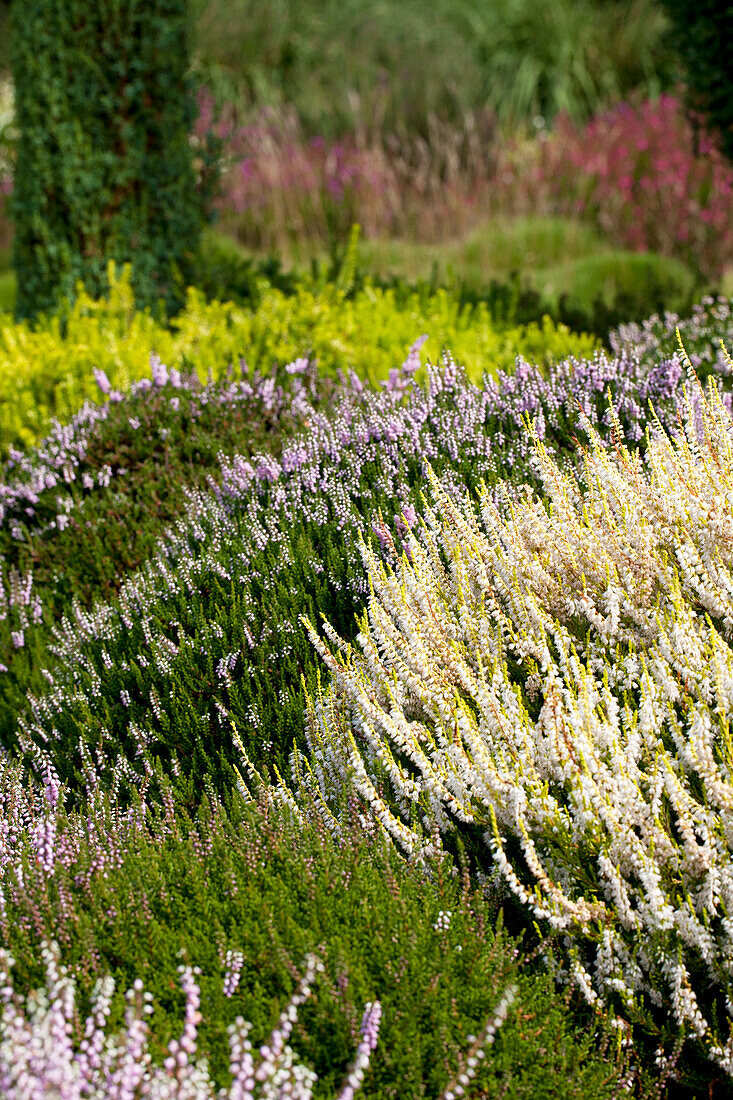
{"x": 37, "y": 1055}
{"x": 102, "y": 381}
{"x": 158, "y": 369}
{"x": 297, "y": 366}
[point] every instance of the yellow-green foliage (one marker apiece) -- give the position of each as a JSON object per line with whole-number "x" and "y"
{"x": 46, "y": 370}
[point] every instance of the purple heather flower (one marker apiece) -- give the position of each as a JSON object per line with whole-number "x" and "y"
{"x": 412, "y": 362}
{"x": 297, "y": 366}
{"x": 234, "y": 963}
{"x": 370, "y": 1024}
{"x": 175, "y": 378}
{"x": 158, "y": 369}
{"x": 102, "y": 381}
{"x": 268, "y": 469}
{"x": 403, "y": 525}
{"x": 382, "y": 533}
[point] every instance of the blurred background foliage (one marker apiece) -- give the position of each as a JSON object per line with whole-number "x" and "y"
{"x": 545, "y": 156}
{"x": 382, "y": 66}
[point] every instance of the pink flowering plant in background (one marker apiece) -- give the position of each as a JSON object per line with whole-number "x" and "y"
{"x": 280, "y": 187}
{"x": 645, "y": 174}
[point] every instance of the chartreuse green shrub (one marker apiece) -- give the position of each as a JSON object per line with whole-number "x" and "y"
{"x": 556, "y": 677}
{"x": 245, "y": 897}
{"x": 104, "y": 170}
{"x": 46, "y": 369}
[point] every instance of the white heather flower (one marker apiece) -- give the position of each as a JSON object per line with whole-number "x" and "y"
{"x": 619, "y": 588}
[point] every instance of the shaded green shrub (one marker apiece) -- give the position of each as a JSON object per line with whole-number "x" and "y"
{"x": 694, "y": 35}
{"x": 139, "y": 898}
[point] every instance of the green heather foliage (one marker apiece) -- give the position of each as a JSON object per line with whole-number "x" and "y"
{"x": 46, "y": 369}
{"x": 168, "y": 447}
{"x": 203, "y": 644}
{"x": 104, "y": 167}
{"x": 425, "y": 941}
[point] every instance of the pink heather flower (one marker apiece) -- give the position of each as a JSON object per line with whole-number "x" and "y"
{"x": 234, "y": 963}
{"x": 413, "y": 355}
{"x": 102, "y": 381}
{"x": 382, "y": 533}
{"x": 158, "y": 369}
{"x": 370, "y": 1024}
{"x": 297, "y": 366}
{"x": 410, "y": 515}
{"x": 175, "y": 378}
{"x": 268, "y": 469}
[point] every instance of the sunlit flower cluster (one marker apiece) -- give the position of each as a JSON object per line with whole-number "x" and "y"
{"x": 560, "y": 673}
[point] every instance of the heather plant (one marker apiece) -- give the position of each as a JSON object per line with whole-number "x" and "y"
{"x": 555, "y": 674}
{"x": 273, "y": 539}
{"x": 47, "y": 370}
{"x": 245, "y": 897}
{"x": 641, "y": 173}
{"x": 87, "y": 506}
{"x": 118, "y": 1067}
{"x": 705, "y": 334}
